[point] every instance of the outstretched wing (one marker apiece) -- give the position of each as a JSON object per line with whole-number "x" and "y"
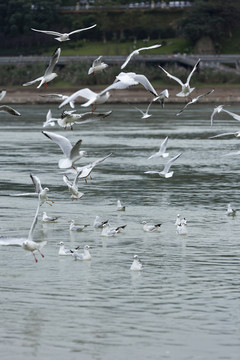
{"x": 163, "y": 145}
{"x": 9, "y": 110}
{"x": 61, "y": 141}
{"x": 54, "y": 59}
{"x": 85, "y": 93}
{"x": 194, "y": 68}
{"x": 235, "y": 116}
{"x": 37, "y": 183}
{"x": 171, "y": 76}
{"x": 79, "y": 30}
{"x": 170, "y": 162}
{"x": 55, "y": 33}
{"x": 75, "y": 150}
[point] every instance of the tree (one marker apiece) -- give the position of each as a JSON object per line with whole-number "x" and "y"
{"x": 213, "y": 18}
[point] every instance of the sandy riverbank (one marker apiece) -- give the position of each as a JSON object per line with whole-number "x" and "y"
{"x": 221, "y": 95}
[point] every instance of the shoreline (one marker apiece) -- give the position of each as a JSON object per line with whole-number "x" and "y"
{"x": 132, "y": 95}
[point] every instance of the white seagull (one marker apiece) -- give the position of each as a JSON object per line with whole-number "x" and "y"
{"x": 236, "y": 133}
{"x": 165, "y": 172}
{"x": 178, "y": 220}
{"x": 162, "y": 96}
{"x": 150, "y": 227}
{"x": 49, "y": 119}
{"x": 182, "y": 227}
{"x": 97, "y": 66}
{"x": 216, "y": 110}
{"x": 58, "y": 97}
{"x": 49, "y": 75}
{"x": 194, "y": 100}
{"x": 136, "y": 52}
{"x": 85, "y": 171}
{"x": 136, "y": 264}
{"x": 230, "y": 211}
{"x": 161, "y": 151}
{"x": 83, "y": 256}
{"x": 73, "y": 187}
{"x": 49, "y": 219}
{"x": 63, "y": 251}
{"x": 63, "y": 36}
{"x": 77, "y": 228}
{"x": 107, "y": 230}
{"x": 186, "y": 89}
{"x": 120, "y": 207}
{"x": 98, "y": 223}
{"x": 42, "y": 193}
{"x": 68, "y": 118}
{"x": 72, "y": 153}
{"x": 31, "y": 245}
{"x": 145, "y": 114}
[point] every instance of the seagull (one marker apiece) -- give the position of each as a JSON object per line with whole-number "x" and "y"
{"x": 136, "y": 52}
{"x": 86, "y": 170}
{"x": 63, "y": 36}
{"x": 235, "y": 116}
{"x": 182, "y": 227}
{"x": 58, "y": 97}
{"x": 178, "y": 220}
{"x": 136, "y": 264}
{"x": 150, "y": 227}
{"x": 49, "y": 75}
{"x": 122, "y": 81}
{"x": 73, "y": 187}
{"x": 83, "y": 256}
{"x": 145, "y": 114}
{"x": 161, "y": 151}
{"x": 68, "y": 118}
{"x": 97, "y": 66}
{"x": 186, "y": 90}
{"x": 162, "y": 96}
{"x": 2, "y": 94}
{"x": 98, "y": 223}
{"x": 42, "y": 193}
{"x": 216, "y": 110}
{"x": 49, "y": 119}
{"x": 120, "y": 207}
{"x": 230, "y": 211}
{"x": 29, "y": 244}
{"x": 49, "y": 219}
{"x": 77, "y": 228}
{"x": 236, "y": 133}
{"x": 63, "y": 251}
{"x": 194, "y": 100}
{"x": 72, "y": 153}
{"x": 107, "y": 230}
{"x": 165, "y": 172}
{"x": 9, "y": 110}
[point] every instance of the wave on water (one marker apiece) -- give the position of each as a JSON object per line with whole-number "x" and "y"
{"x": 9, "y": 241}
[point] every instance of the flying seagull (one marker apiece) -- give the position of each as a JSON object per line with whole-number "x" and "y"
{"x": 136, "y": 52}
{"x": 63, "y": 36}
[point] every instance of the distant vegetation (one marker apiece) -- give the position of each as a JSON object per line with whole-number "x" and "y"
{"x": 117, "y": 31}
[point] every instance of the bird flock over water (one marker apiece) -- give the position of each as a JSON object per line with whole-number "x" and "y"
{"x": 72, "y": 153}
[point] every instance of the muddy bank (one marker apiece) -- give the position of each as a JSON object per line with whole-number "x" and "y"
{"x": 221, "y": 95}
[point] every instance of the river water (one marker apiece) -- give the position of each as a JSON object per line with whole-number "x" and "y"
{"x": 184, "y": 304}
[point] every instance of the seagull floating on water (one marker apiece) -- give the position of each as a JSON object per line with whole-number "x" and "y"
{"x": 49, "y": 75}
{"x": 83, "y": 256}
{"x": 98, "y": 223}
{"x": 165, "y": 172}
{"x": 161, "y": 151}
{"x": 120, "y": 207}
{"x": 97, "y": 66}
{"x": 77, "y": 228}
{"x": 63, "y": 36}
{"x": 136, "y": 264}
{"x": 186, "y": 89}
{"x": 182, "y": 227}
{"x": 63, "y": 251}
{"x": 230, "y": 211}
{"x": 136, "y": 52}
{"x": 49, "y": 219}
{"x": 107, "y": 230}
{"x": 150, "y": 227}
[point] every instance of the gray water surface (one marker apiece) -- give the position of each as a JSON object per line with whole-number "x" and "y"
{"x": 184, "y": 304}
